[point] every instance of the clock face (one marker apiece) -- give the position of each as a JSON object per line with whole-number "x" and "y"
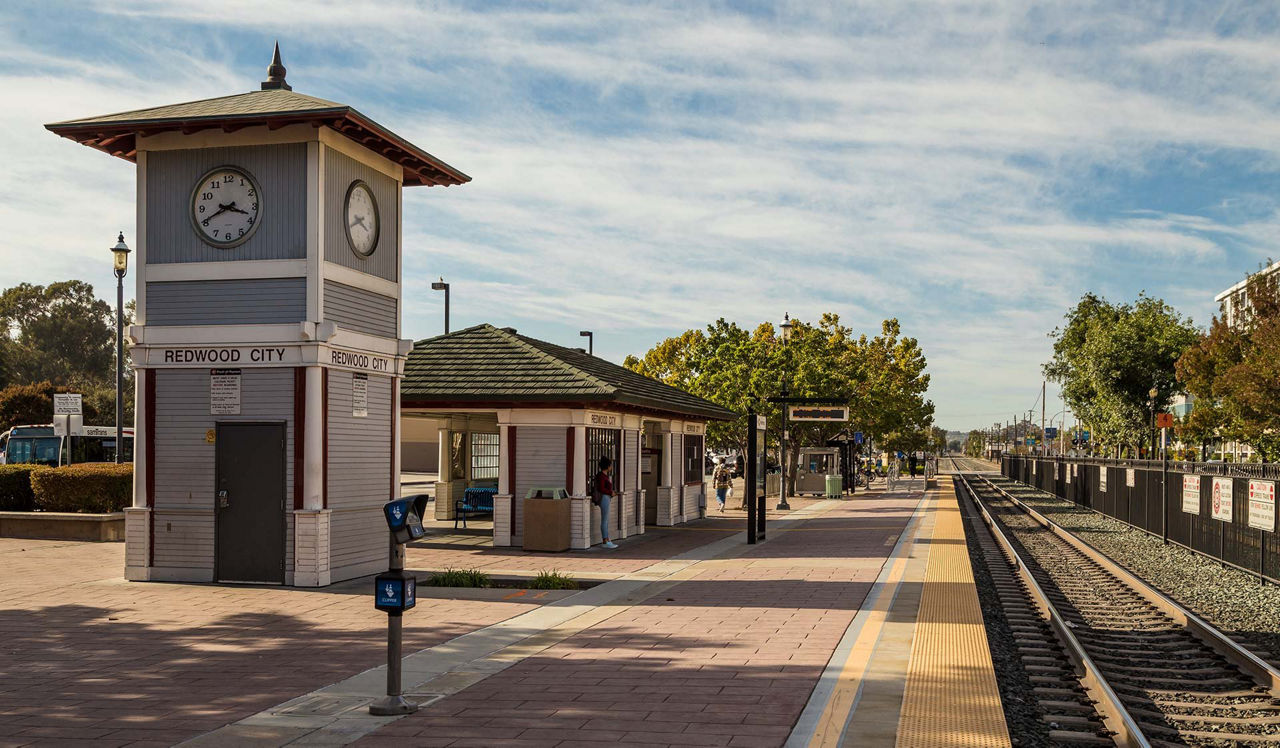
{"x": 226, "y": 206}
{"x": 361, "y": 218}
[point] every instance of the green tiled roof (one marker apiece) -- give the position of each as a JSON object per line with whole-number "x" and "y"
{"x": 484, "y": 364}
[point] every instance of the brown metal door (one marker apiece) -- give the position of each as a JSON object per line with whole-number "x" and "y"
{"x": 249, "y": 502}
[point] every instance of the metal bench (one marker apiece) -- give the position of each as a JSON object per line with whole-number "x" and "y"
{"x": 473, "y": 501}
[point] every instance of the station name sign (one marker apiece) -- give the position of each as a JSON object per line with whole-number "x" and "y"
{"x": 214, "y": 355}
{"x": 361, "y": 361}
{"x": 819, "y": 413}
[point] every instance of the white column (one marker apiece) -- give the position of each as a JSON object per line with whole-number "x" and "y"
{"x": 140, "y": 437}
{"x": 313, "y": 466}
{"x": 504, "y": 464}
{"x": 395, "y": 429}
{"x": 580, "y": 467}
{"x": 667, "y": 457}
{"x": 446, "y": 459}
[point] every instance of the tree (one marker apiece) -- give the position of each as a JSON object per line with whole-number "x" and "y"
{"x": 1107, "y": 357}
{"x": 882, "y": 378}
{"x": 59, "y": 333}
{"x": 974, "y": 444}
{"x": 25, "y": 404}
{"x": 1233, "y": 370}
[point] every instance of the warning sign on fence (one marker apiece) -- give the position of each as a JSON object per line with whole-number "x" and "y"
{"x": 1191, "y": 494}
{"x": 1222, "y": 499}
{"x": 1102, "y": 478}
{"x": 1071, "y": 471}
{"x": 1262, "y": 505}
{"x": 1129, "y": 477}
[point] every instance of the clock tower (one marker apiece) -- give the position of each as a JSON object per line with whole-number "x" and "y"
{"x": 267, "y": 346}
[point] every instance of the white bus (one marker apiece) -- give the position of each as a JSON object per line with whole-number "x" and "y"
{"x": 41, "y": 446}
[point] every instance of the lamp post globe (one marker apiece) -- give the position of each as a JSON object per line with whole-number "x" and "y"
{"x": 120, "y": 263}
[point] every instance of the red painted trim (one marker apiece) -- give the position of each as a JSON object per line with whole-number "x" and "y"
{"x": 299, "y": 432}
{"x": 511, "y": 474}
{"x": 568, "y": 460}
{"x": 324, "y": 426}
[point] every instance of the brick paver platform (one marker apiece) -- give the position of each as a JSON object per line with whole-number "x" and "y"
{"x": 727, "y": 657}
{"x": 85, "y": 655}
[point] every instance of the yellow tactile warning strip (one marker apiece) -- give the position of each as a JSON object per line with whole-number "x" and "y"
{"x": 951, "y": 697}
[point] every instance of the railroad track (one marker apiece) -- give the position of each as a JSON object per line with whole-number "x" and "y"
{"x": 1153, "y": 673}
{"x": 965, "y": 465}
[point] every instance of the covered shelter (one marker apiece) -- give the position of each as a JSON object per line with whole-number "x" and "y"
{"x": 515, "y": 413}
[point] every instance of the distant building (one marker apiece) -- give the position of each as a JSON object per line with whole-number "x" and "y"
{"x": 1234, "y": 301}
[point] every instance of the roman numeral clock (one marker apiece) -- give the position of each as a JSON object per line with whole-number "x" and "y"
{"x": 267, "y": 347}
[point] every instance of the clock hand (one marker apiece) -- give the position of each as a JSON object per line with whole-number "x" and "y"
{"x": 360, "y": 221}
{"x": 232, "y": 207}
{"x": 221, "y": 209}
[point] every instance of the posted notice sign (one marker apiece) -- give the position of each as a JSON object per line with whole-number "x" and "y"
{"x": 224, "y": 392}
{"x": 819, "y": 413}
{"x": 1222, "y": 499}
{"x": 359, "y": 395}
{"x": 67, "y": 404}
{"x": 1102, "y": 478}
{"x": 1262, "y": 505}
{"x": 1191, "y": 494}
{"x": 1129, "y": 477}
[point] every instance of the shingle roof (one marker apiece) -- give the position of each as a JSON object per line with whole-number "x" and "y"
{"x": 484, "y": 364}
{"x": 117, "y": 133}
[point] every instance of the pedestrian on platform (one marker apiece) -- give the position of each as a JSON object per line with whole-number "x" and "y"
{"x": 723, "y": 481}
{"x": 602, "y": 491}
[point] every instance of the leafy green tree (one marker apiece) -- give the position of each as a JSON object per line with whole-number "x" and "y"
{"x": 881, "y": 378}
{"x": 1107, "y": 357}
{"x": 59, "y": 333}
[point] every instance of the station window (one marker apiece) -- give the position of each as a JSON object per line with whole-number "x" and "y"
{"x": 603, "y": 443}
{"x": 692, "y": 458}
{"x": 484, "y": 456}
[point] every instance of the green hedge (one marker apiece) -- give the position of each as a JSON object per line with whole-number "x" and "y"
{"x": 90, "y": 488}
{"x": 15, "y": 488}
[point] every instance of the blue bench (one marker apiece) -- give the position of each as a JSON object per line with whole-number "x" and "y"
{"x": 473, "y": 501}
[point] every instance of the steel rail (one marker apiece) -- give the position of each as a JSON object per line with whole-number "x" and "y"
{"x": 1110, "y": 708}
{"x": 1235, "y": 653}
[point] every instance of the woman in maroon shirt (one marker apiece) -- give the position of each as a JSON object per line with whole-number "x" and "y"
{"x": 604, "y": 489}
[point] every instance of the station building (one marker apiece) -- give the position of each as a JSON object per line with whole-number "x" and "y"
{"x": 267, "y": 345}
{"x": 514, "y": 413}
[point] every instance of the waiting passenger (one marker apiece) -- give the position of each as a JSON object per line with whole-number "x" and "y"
{"x": 602, "y": 495}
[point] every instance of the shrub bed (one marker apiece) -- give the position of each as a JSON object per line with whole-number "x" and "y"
{"x": 89, "y": 488}
{"x": 15, "y": 488}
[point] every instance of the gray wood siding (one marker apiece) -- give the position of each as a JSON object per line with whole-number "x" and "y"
{"x": 339, "y": 172}
{"x": 540, "y": 462}
{"x": 360, "y": 310}
{"x": 185, "y": 461}
{"x": 253, "y": 301}
{"x": 359, "y": 476}
{"x": 281, "y": 173}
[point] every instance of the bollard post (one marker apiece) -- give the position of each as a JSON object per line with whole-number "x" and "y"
{"x": 395, "y": 592}
{"x": 749, "y": 489}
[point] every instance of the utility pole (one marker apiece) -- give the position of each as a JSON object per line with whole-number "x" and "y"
{"x": 1043, "y": 444}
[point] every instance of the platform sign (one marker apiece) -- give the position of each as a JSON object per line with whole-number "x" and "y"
{"x": 1102, "y": 478}
{"x": 1222, "y": 499}
{"x": 67, "y": 404}
{"x": 1262, "y": 505}
{"x": 1051, "y": 432}
{"x": 857, "y": 437}
{"x": 1129, "y": 477}
{"x": 1164, "y": 420}
{"x": 1191, "y": 494}
{"x": 819, "y": 413}
{"x": 1084, "y": 436}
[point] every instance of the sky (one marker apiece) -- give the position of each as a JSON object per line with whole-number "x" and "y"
{"x": 639, "y": 169}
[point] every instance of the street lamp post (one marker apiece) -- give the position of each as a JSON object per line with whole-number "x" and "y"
{"x": 1154, "y": 393}
{"x": 591, "y": 341}
{"x": 120, "y": 253}
{"x": 786, "y": 336}
{"x": 440, "y": 285}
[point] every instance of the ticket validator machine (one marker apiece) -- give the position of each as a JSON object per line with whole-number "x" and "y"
{"x": 395, "y": 592}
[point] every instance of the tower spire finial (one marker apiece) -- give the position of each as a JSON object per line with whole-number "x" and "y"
{"x": 275, "y": 73}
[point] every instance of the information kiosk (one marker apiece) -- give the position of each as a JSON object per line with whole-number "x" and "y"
{"x": 267, "y": 345}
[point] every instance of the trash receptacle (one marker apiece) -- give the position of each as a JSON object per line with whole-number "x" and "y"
{"x": 835, "y": 486}
{"x": 547, "y": 519}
